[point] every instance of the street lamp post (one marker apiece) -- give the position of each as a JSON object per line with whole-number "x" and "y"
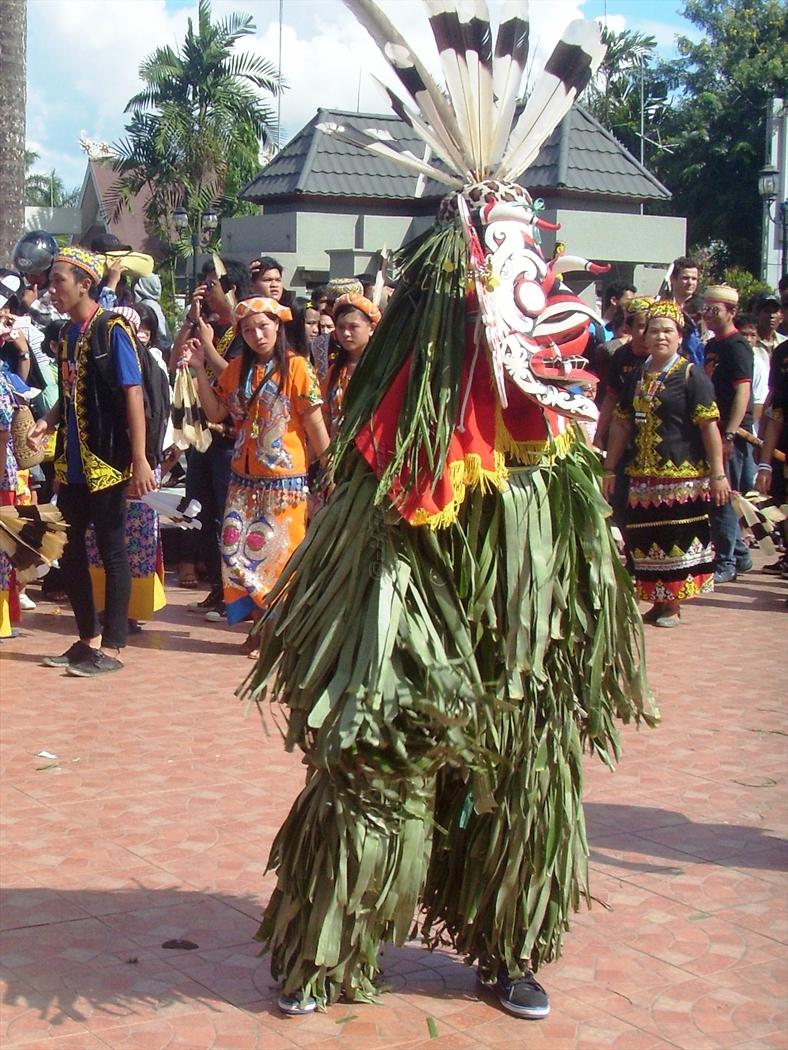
{"x": 769, "y": 189}
{"x": 200, "y": 234}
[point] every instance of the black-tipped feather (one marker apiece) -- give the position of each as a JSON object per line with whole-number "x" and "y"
{"x": 511, "y": 55}
{"x": 574, "y": 60}
{"x": 413, "y": 75}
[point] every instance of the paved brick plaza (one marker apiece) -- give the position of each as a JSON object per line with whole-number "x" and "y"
{"x": 155, "y": 820}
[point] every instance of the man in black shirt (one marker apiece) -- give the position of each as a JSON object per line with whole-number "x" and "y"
{"x": 732, "y": 379}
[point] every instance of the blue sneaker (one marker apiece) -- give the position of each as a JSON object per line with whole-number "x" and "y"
{"x": 296, "y": 1005}
{"x": 522, "y": 996}
{"x": 744, "y": 564}
{"x": 727, "y": 575}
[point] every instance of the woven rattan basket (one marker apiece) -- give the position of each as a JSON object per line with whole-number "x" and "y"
{"x": 21, "y": 425}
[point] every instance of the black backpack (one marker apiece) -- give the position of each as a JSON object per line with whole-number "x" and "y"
{"x": 156, "y": 391}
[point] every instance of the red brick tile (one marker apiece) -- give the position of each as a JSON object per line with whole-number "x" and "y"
{"x": 157, "y": 820}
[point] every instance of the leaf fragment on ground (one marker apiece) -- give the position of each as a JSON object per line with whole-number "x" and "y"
{"x": 344, "y": 1020}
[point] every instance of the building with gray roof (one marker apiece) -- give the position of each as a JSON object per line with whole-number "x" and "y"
{"x": 328, "y": 208}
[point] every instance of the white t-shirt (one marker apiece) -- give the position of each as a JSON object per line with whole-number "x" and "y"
{"x": 760, "y": 374}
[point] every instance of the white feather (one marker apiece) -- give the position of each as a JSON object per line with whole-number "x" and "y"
{"x": 481, "y": 75}
{"x": 455, "y": 72}
{"x": 372, "y": 139}
{"x": 549, "y": 103}
{"x": 507, "y": 78}
{"x": 445, "y": 150}
{"x": 436, "y": 110}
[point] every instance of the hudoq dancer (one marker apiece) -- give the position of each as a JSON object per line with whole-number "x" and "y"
{"x": 456, "y": 627}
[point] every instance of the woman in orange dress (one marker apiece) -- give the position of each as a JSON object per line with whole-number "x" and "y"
{"x": 273, "y": 398}
{"x": 355, "y": 318}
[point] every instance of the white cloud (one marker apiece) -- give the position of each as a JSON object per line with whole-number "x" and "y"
{"x": 615, "y": 23}
{"x": 84, "y": 55}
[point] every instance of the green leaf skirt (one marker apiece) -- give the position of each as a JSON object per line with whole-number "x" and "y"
{"x": 442, "y": 686}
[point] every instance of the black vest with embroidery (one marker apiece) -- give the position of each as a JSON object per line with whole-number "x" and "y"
{"x": 99, "y": 406}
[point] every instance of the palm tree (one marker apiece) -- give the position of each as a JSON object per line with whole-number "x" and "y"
{"x": 13, "y": 72}
{"x": 199, "y": 112}
{"x": 626, "y": 82}
{"x": 46, "y": 189}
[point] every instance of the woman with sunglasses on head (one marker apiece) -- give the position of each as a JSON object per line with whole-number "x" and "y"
{"x": 669, "y": 411}
{"x": 272, "y": 397}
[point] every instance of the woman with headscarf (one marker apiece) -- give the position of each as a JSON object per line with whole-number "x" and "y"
{"x": 147, "y": 290}
{"x": 355, "y": 318}
{"x": 274, "y": 401}
{"x": 668, "y": 409}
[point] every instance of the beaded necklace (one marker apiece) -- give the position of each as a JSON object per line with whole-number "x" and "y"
{"x": 656, "y": 383}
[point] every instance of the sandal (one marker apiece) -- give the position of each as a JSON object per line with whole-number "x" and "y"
{"x": 250, "y": 646}
{"x": 187, "y": 578}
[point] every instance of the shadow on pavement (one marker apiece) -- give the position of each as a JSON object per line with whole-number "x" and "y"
{"x": 71, "y": 954}
{"x": 96, "y": 957}
{"x": 670, "y": 835}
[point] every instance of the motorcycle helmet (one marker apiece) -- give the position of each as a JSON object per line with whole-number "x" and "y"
{"x": 35, "y": 252}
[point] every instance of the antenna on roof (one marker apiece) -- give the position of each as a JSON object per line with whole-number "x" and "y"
{"x": 279, "y": 96}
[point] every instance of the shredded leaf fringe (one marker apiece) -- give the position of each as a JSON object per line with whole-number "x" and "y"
{"x": 442, "y": 687}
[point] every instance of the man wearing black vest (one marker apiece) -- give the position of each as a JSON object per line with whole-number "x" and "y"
{"x": 100, "y": 453}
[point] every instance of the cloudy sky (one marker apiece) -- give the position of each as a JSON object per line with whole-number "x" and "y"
{"x": 83, "y": 56}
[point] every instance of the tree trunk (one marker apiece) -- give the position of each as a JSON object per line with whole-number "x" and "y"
{"x": 13, "y": 96}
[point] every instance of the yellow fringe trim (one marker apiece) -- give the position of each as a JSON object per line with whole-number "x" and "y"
{"x": 536, "y": 453}
{"x": 532, "y": 453}
{"x": 464, "y": 474}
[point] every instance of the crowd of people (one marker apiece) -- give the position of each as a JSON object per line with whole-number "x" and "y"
{"x": 79, "y": 335}
{"x": 686, "y": 387}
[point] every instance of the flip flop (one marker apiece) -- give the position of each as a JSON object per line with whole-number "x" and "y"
{"x": 667, "y": 621}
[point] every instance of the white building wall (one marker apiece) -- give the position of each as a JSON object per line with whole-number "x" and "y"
{"x": 773, "y": 265}
{"x": 303, "y": 240}
{"x": 610, "y": 237}
{"x": 66, "y": 222}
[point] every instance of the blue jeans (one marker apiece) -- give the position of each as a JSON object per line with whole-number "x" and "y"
{"x": 729, "y": 547}
{"x": 741, "y": 466}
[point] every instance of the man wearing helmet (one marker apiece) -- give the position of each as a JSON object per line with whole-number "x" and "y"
{"x": 34, "y": 254}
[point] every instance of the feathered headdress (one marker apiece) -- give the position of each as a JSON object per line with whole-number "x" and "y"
{"x": 468, "y": 123}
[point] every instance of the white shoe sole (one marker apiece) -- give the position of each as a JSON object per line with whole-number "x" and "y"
{"x": 293, "y": 1008}
{"x": 526, "y": 1012}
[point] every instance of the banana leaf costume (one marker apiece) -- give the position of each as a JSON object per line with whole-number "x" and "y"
{"x": 455, "y": 629}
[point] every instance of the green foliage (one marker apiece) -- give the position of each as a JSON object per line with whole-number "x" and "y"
{"x": 614, "y": 95}
{"x": 745, "y": 283}
{"x": 716, "y": 122}
{"x": 46, "y": 189}
{"x": 195, "y": 128}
